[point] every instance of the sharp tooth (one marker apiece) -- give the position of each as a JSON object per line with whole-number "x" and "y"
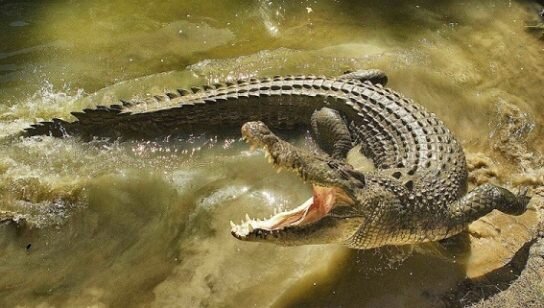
{"x": 270, "y": 160}
{"x": 247, "y": 217}
{"x": 242, "y": 222}
{"x": 278, "y": 170}
{"x": 250, "y": 228}
{"x": 232, "y": 224}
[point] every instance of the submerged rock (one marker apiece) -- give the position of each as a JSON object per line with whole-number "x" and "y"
{"x": 517, "y": 284}
{"x": 496, "y": 238}
{"x": 11, "y": 217}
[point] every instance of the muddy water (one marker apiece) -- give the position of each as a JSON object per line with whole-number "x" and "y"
{"x": 146, "y": 222}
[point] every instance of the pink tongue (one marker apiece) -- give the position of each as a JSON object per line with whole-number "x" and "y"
{"x": 310, "y": 211}
{"x": 323, "y": 201}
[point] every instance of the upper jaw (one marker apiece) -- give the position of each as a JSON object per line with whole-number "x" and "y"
{"x": 318, "y": 169}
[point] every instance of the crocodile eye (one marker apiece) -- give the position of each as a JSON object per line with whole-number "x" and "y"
{"x": 349, "y": 173}
{"x": 333, "y": 164}
{"x": 359, "y": 176}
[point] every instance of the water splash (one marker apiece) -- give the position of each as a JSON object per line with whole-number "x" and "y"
{"x": 271, "y": 16}
{"x": 46, "y": 103}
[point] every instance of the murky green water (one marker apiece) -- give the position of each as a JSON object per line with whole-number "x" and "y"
{"x": 147, "y": 223}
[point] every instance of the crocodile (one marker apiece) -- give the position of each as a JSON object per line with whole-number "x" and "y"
{"x": 417, "y": 192}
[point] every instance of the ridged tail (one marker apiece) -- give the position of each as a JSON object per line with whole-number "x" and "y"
{"x": 281, "y": 102}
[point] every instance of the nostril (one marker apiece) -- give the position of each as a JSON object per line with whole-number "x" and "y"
{"x": 263, "y": 129}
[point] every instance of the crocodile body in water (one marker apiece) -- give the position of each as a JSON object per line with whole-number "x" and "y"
{"x": 416, "y": 194}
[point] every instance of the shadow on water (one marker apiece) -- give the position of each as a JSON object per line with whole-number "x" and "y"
{"x": 472, "y": 291}
{"x": 386, "y": 277}
{"x": 434, "y": 276}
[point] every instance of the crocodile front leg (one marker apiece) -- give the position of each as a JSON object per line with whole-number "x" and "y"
{"x": 331, "y": 133}
{"x": 481, "y": 201}
{"x": 391, "y": 222}
{"x": 329, "y": 128}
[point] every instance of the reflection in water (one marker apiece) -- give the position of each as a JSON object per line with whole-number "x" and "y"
{"x": 146, "y": 222}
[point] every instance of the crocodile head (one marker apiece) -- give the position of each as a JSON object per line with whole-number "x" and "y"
{"x": 331, "y": 215}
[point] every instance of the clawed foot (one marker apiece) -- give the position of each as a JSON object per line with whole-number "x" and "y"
{"x": 522, "y": 197}
{"x": 373, "y": 75}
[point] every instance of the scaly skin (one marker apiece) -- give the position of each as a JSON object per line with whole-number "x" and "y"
{"x": 416, "y": 194}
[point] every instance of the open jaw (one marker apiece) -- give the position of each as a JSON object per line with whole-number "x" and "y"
{"x": 315, "y": 208}
{"x": 281, "y": 154}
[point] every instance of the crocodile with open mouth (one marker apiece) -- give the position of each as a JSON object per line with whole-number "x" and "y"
{"x": 418, "y": 192}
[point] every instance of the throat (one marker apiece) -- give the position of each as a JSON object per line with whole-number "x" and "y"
{"x": 322, "y": 202}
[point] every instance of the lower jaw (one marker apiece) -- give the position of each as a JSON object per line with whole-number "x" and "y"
{"x": 311, "y": 211}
